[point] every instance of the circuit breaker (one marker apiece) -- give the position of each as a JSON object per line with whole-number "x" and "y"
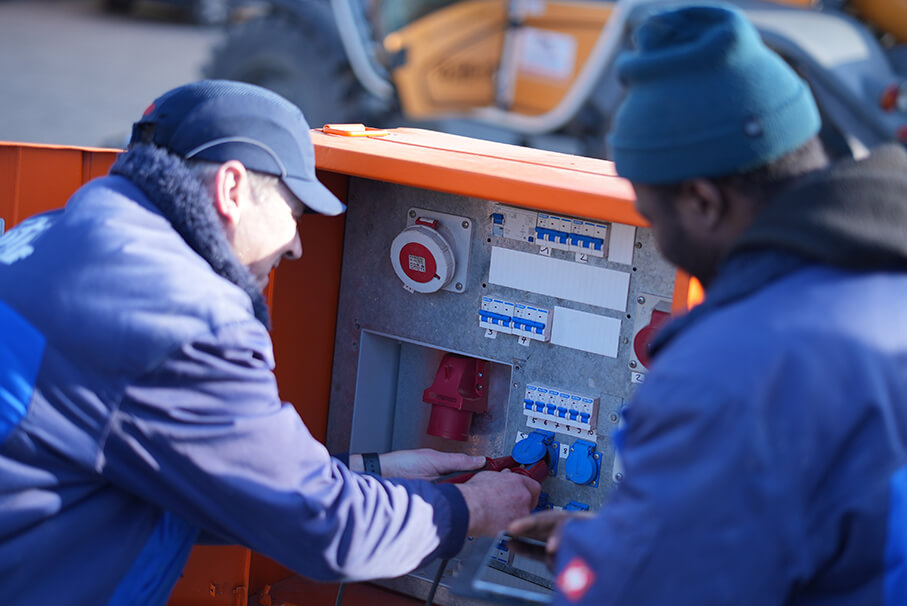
{"x": 549, "y": 303}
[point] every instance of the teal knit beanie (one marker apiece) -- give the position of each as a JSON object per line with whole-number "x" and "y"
{"x": 705, "y": 98}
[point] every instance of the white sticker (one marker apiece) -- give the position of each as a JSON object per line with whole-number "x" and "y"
{"x": 524, "y": 341}
{"x": 545, "y": 251}
{"x": 637, "y": 377}
{"x": 417, "y": 263}
{"x": 565, "y": 451}
{"x": 546, "y": 53}
{"x": 582, "y": 257}
{"x": 491, "y": 334}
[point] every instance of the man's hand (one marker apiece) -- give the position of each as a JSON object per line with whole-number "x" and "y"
{"x": 496, "y": 498}
{"x": 546, "y": 526}
{"x": 421, "y": 464}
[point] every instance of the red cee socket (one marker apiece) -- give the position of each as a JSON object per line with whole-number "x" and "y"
{"x": 459, "y": 391}
{"x": 645, "y": 336}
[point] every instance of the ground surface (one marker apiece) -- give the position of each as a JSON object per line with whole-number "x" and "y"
{"x": 71, "y": 74}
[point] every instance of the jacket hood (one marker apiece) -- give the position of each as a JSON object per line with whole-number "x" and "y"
{"x": 185, "y": 202}
{"x": 851, "y": 215}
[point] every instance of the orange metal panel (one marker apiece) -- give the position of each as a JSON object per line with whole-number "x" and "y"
{"x": 9, "y": 185}
{"x": 215, "y": 576}
{"x": 38, "y": 178}
{"x": 305, "y": 318}
{"x": 299, "y": 591}
{"x": 558, "y": 183}
{"x": 96, "y": 163}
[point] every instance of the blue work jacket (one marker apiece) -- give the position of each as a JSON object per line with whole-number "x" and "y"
{"x": 765, "y": 456}
{"x": 139, "y": 412}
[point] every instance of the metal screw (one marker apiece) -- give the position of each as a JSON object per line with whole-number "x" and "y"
{"x": 596, "y": 456}
{"x": 480, "y": 386}
{"x": 639, "y": 245}
{"x": 626, "y": 340}
{"x": 412, "y": 213}
{"x": 613, "y": 418}
{"x": 516, "y": 385}
{"x": 640, "y": 299}
{"x": 458, "y": 286}
{"x": 465, "y": 224}
{"x": 632, "y": 363}
{"x": 618, "y": 476}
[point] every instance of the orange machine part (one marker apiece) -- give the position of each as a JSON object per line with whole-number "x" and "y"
{"x": 37, "y": 178}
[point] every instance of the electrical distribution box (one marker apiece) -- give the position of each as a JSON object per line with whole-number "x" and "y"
{"x": 546, "y": 296}
{"x": 476, "y": 297}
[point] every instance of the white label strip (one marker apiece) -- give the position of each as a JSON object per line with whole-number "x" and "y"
{"x": 561, "y": 279}
{"x": 585, "y": 331}
{"x": 623, "y": 239}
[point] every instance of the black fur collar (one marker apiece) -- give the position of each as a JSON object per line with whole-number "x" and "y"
{"x": 186, "y": 203}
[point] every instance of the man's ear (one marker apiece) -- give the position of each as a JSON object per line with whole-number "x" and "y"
{"x": 702, "y": 205}
{"x": 229, "y": 183}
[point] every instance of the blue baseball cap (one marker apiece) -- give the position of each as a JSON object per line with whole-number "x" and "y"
{"x": 221, "y": 120}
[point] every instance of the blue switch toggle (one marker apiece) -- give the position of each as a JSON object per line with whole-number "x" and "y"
{"x": 497, "y": 219}
{"x": 576, "y": 506}
{"x": 562, "y": 412}
{"x": 584, "y": 417}
{"x": 551, "y": 408}
{"x": 493, "y": 318}
{"x": 540, "y": 406}
{"x": 583, "y": 463}
{"x": 528, "y": 403}
{"x": 573, "y": 414}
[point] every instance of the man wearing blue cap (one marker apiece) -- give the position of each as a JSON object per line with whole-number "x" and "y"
{"x": 138, "y": 408}
{"x": 765, "y": 456}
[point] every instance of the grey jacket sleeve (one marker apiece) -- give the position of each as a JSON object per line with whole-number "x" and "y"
{"x": 206, "y": 437}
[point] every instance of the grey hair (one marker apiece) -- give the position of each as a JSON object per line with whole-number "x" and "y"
{"x": 204, "y": 171}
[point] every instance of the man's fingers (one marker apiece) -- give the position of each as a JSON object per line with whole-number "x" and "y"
{"x": 539, "y": 525}
{"x": 465, "y": 462}
{"x": 495, "y": 499}
{"x": 535, "y": 489}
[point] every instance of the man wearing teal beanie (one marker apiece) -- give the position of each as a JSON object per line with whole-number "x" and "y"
{"x": 765, "y": 456}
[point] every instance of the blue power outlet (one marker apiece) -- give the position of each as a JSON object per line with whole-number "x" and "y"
{"x": 584, "y": 463}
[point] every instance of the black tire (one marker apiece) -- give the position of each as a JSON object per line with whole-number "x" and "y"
{"x": 210, "y": 12}
{"x": 303, "y": 61}
{"x": 118, "y": 6}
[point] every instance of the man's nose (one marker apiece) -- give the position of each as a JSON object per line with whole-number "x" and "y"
{"x": 295, "y": 250}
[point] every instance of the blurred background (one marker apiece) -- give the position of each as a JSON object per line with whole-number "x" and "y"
{"x": 529, "y": 72}
{"x": 73, "y": 72}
